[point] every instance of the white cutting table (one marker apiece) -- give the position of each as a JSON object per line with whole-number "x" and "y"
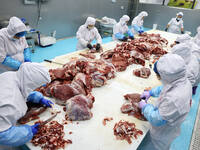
{"x": 92, "y": 134}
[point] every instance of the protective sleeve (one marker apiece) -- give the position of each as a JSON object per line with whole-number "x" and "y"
{"x": 130, "y": 33}
{"x": 2, "y": 50}
{"x": 155, "y": 92}
{"x": 152, "y": 114}
{"x": 27, "y": 55}
{"x": 119, "y": 36}
{"x": 182, "y": 24}
{"x": 79, "y": 37}
{"x": 98, "y": 36}
{"x": 170, "y": 22}
{"x": 35, "y": 97}
{"x": 142, "y": 28}
{"x": 136, "y": 27}
{"x": 16, "y": 135}
{"x": 12, "y": 63}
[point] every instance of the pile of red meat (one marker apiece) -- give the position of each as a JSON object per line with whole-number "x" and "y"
{"x": 50, "y": 137}
{"x": 130, "y": 107}
{"x": 124, "y": 130}
{"x": 72, "y": 85}
{"x": 135, "y": 51}
{"x": 142, "y": 72}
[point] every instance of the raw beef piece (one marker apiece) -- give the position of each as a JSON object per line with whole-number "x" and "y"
{"x": 119, "y": 62}
{"x": 32, "y": 113}
{"x": 124, "y": 130}
{"x": 84, "y": 81}
{"x": 107, "y": 54}
{"x": 142, "y": 72}
{"x": 137, "y": 58}
{"x": 106, "y": 119}
{"x": 63, "y": 92}
{"x": 59, "y": 73}
{"x": 88, "y": 55}
{"x": 98, "y": 80}
{"x": 78, "y": 108}
{"x": 131, "y": 107}
{"x": 71, "y": 68}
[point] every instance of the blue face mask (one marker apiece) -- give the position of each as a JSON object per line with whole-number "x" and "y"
{"x": 20, "y": 34}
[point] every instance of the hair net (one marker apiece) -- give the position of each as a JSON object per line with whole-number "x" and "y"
{"x": 183, "y": 50}
{"x": 90, "y": 21}
{"x": 183, "y": 38}
{"x": 32, "y": 76}
{"x": 15, "y": 26}
{"x": 179, "y": 14}
{"x": 171, "y": 67}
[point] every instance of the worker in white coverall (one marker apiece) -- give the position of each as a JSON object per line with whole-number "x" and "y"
{"x": 121, "y": 31}
{"x": 175, "y": 25}
{"x": 197, "y": 37}
{"x": 137, "y": 23}
{"x": 17, "y": 89}
{"x": 192, "y": 65}
{"x": 172, "y": 106}
{"x": 86, "y": 34}
{"x": 13, "y": 46}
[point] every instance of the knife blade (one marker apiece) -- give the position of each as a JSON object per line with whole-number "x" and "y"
{"x": 48, "y": 120}
{"x": 50, "y": 61}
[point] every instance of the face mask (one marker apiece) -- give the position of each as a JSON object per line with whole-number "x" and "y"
{"x": 90, "y": 27}
{"x": 178, "y": 19}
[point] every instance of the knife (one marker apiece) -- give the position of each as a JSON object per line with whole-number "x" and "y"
{"x": 48, "y": 120}
{"x": 50, "y": 61}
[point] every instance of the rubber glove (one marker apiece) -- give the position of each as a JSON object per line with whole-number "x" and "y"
{"x": 131, "y": 37}
{"x": 146, "y": 95}
{"x": 46, "y": 102}
{"x": 35, "y": 128}
{"x": 142, "y": 104}
{"x": 98, "y": 46}
{"x": 89, "y": 46}
{"x": 124, "y": 39}
{"x": 166, "y": 29}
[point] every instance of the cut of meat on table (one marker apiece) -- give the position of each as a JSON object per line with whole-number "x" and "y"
{"x": 50, "y": 136}
{"x": 124, "y": 130}
{"x": 78, "y": 108}
{"x": 33, "y": 112}
{"x": 142, "y": 72}
{"x": 130, "y": 106}
{"x": 106, "y": 119}
{"x": 88, "y": 55}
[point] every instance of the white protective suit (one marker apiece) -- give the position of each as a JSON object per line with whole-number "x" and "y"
{"x": 85, "y": 35}
{"x": 138, "y": 20}
{"x": 192, "y": 64}
{"x": 197, "y": 37}
{"x": 121, "y": 27}
{"x": 175, "y": 26}
{"x": 10, "y": 46}
{"x": 14, "y": 90}
{"x": 173, "y": 103}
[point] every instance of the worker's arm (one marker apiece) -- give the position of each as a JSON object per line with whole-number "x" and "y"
{"x": 98, "y": 37}
{"x": 12, "y": 63}
{"x": 37, "y": 97}
{"x": 152, "y": 114}
{"x": 16, "y": 135}
{"x": 130, "y": 33}
{"x": 136, "y": 27}
{"x": 27, "y": 55}
{"x": 116, "y": 32}
{"x": 79, "y": 37}
{"x": 155, "y": 92}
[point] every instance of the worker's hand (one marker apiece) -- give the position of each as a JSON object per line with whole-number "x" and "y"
{"x": 89, "y": 46}
{"x": 124, "y": 39}
{"x": 166, "y": 29}
{"x": 131, "y": 37}
{"x": 140, "y": 31}
{"x": 145, "y": 95}
{"x": 35, "y": 128}
{"x": 142, "y": 104}
{"x": 182, "y": 32}
{"x": 46, "y": 102}
{"x": 27, "y": 60}
{"x": 98, "y": 46}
